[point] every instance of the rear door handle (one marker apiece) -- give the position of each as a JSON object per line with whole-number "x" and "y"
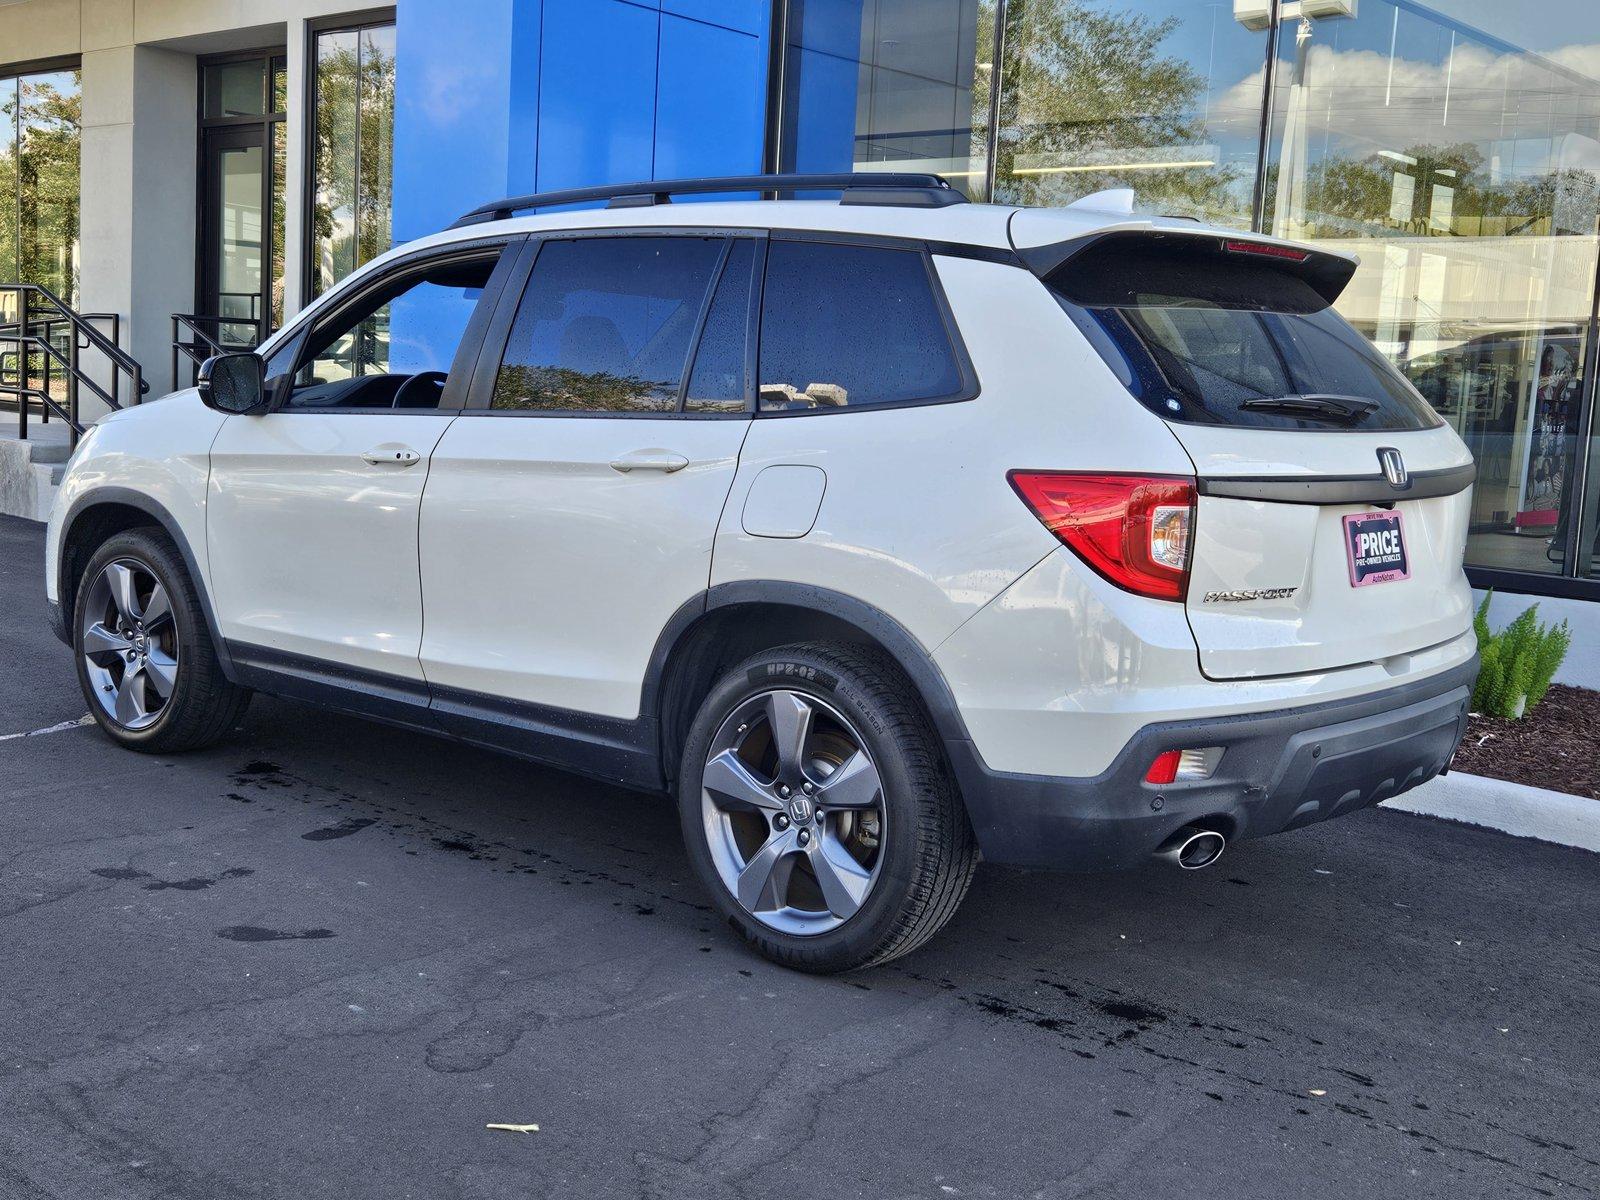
{"x": 664, "y": 461}
{"x": 392, "y": 454}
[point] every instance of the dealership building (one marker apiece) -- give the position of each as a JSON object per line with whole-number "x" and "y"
{"x": 229, "y": 160}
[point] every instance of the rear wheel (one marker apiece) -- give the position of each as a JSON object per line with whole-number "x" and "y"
{"x": 818, "y": 811}
{"x": 145, "y": 659}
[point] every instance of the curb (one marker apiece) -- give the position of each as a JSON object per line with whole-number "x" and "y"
{"x": 1513, "y": 808}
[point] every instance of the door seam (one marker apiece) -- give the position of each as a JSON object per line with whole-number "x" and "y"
{"x": 422, "y": 603}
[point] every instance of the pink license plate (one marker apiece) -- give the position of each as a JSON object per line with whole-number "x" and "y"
{"x": 1375, "y": 544}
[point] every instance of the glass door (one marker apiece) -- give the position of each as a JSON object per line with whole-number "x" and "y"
{"x": 242, "y": 129}
{"x": 234, "y": 276}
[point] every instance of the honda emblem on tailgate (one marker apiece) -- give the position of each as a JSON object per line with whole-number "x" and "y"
{"x": 1394, "y": 468}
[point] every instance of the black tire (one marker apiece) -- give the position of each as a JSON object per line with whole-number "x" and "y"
{"x": 927, "y": 850}
{"x": 203, "y": 705}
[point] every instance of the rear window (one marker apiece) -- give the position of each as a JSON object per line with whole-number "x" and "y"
{"x": 1201, "y": 334}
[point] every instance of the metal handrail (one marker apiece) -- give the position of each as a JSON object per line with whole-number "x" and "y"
{"x": 201, "y": 340}
{"x": 33, "y": 333}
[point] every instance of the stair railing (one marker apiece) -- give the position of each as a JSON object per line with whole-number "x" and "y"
{"x": 202, "y": 345}
{"x": 30, "y": 326}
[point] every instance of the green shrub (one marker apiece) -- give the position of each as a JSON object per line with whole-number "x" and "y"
{"x": 1518, "y": 663}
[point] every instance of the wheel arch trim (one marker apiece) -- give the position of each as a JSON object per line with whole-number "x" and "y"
{"x": 129, "y": 498}
{"x": 875, "y": 624}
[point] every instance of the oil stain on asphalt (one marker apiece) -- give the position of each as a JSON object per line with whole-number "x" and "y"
{"x": 255, "y": 933}
{"x": 342, "y": 830}
{"x": 197, "y": 884}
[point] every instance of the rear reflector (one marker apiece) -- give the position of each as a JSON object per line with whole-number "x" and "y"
{"x": 1134, "y": 530}
{"x": 1165, "y": 767}
{"x": 1266, "y": 250}
{"x": 1183, "y": 766}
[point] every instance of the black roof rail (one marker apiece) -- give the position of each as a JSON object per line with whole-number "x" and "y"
{"x": 899, "y": 189}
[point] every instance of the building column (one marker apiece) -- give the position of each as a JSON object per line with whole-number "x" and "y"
{"x": 137, "y": 225}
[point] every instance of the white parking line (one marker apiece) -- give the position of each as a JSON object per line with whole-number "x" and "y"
{"x": 86, "y": 719}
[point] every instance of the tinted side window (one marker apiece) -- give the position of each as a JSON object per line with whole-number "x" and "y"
{"x": 392, "y": 347}
{"x": 606, "y": 324}
{"x": 719, "y": 381}
{"x": 847, "y": 326}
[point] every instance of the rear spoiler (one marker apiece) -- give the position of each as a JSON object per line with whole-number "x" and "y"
{"x": 1325, "y": 272}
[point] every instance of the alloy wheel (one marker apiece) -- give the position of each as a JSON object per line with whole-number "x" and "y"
{"x": 129, "y": 643}
{"x": 793, "y": 811}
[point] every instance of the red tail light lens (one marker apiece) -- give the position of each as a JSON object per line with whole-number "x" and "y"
{"x": 1133, "y": 529}
{"x": 1165, "y": 767}
{"x": 1266, "y": 250}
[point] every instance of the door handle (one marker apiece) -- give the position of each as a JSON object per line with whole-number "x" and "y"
{"x": 391, "y": 454}
{"x": 664, "y": 461}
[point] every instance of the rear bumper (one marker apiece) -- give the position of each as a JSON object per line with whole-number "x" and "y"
{"x": 1279, "y": 770}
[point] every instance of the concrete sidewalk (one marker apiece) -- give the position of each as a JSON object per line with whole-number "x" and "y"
{"x": 1513, "y": 808}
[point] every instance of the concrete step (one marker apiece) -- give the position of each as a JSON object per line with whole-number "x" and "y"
{"x": 48, "y": 452}
{"x": 27, "y": 488}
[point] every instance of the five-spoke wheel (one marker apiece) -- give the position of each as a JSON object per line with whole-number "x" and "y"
{"x": 146, "y": 660}
{"x": 793, "y": 809}
{"x": 129, "y": 643}
{"x": 818, "y": 809}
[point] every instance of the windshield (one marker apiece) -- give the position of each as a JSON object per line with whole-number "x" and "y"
{"x": 1201, "y": 335}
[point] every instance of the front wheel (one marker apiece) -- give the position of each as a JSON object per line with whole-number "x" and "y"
{"x": 818, "y": 811}
{"x": 145, "y": 659}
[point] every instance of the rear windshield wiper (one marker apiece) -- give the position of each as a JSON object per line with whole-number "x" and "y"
{"x": 1347, "y": 410}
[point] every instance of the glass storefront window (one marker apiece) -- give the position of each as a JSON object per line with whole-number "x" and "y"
{"x": 352, "y": 191}
{"x": 1463, "y": 169}
{"x": 280, "y": 147}
{"x": 236, "y": 89}
{"x": 889, "y": 85}
{"x": 1161, "y": 96}
{"x": 1465, "y": 173}
{"x": 40, "y": 121}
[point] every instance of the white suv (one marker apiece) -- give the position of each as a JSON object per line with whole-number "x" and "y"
{"x": 884, "y": 532}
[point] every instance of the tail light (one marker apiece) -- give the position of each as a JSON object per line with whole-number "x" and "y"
{"x": 1134, "y": 530}
{"x": 1183, "y": 766}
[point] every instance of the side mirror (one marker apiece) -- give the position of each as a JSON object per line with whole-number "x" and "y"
{"x": 233, "y": 384}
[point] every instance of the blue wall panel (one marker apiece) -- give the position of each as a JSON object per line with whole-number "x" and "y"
{"x": 597, "y": 110}
{"x": 823, "y": 87}
{"x": 495, "y": 97}
{"x": 830, "y": 26}
{"x": 466, "y": 108}
{"x": 709, "y": 122}
{"x": 746, "y": 16}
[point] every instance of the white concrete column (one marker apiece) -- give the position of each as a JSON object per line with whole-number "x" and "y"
{"x": 138, "y": 197}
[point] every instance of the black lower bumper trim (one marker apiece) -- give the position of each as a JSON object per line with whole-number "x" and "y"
{"x": 58, "y": 621}
{"x": 1279, "y": 770}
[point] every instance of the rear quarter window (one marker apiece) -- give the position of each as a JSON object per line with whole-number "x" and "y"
{"x": 1201, "y": 334}
{"x": 848, "y": 326}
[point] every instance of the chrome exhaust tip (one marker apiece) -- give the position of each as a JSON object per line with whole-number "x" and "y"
{"x": 1190, "y": 849}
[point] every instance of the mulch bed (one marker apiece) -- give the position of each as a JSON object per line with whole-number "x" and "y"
{"x": 1556, "y": 746}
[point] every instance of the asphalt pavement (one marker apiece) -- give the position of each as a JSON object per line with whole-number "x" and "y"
{"x": 320, "y": 958}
